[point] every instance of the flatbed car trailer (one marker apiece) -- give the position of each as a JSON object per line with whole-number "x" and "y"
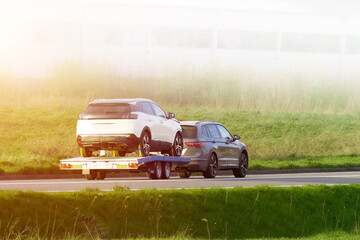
{"x": 156, "y": 166}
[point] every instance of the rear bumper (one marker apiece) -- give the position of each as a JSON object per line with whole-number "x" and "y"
{"x": 109, "y": 142}
{"x": 197, "y": 164}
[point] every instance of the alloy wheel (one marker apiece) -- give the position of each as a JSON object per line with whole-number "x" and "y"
{"x": 213, "y": 166}
{"x": 178, "y": 145}
{"x": 146, "y": 145}
{"x": 243, "y": 164}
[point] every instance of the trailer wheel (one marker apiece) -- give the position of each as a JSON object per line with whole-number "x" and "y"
{"x": 157, "y": 171}
{"x": 166, "y": 170}
{"x": 92, "y": 175}
{"x": 101, "y": 175}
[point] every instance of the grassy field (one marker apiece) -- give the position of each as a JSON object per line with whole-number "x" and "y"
{"x": 35, "y": 138}
{"x": 242, "y": 213}
{"x": 286, "y": 121}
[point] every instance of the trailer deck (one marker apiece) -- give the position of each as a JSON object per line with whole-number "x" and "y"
{"x": 157, "y": 166}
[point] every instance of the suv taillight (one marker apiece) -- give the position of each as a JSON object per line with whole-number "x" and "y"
{"x": 79, "y": 139}
{"x": 194, "y": 144}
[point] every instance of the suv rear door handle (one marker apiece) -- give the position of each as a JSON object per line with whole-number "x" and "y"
{"x": 213, "y": 141}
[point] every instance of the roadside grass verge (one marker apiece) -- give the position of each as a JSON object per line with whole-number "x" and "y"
{"x": 34, "y": 138}
{"x": 348, "y": 161}
{"x": 311, "y": 212}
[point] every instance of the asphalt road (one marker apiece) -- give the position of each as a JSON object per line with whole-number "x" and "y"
{"x": 280, "y": 180}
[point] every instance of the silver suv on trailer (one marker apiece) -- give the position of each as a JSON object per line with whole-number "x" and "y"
{"x": 211, "y": 148}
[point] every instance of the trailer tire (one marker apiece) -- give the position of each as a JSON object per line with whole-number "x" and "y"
{"x": 101, "y": 175}
{"x": 157, "y": 171}
{"x": 92, "y": 175}
{"x": 166, "y": 170}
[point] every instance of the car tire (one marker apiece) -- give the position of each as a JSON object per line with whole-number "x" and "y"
{"x": 241, "y": 171}
{"x": 145, "y": 141}
{"x": 166, "y": 170}
{"x": 212, "y": 167}
{"x": 85, "y": 152}
{"x": 184, "y": 174}
{"x": 177, "y": 146}
{"x": 92, "y": 175}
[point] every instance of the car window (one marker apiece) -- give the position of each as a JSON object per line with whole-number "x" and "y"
{"x": 214, "y": 133}
{"x": 224, "y": 132}
{"x": 204, "y": 131}
{"x": 146, "y": 108}
{"x": 158, "y": 111}
{"x": 189, "y": 131}
{"x": 108, "y": 111}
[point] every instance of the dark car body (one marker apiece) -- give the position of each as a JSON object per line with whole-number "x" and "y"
{"x": 204, "y": 138}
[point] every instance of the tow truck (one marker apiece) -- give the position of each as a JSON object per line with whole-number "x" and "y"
{"x": 156, "y": 166}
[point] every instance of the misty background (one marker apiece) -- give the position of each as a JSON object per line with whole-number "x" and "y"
{"x": 267, "y": 55}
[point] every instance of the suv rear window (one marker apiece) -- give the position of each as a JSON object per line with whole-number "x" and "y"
{"x": 189, "y": 131}
{"x": 108, "y": 110}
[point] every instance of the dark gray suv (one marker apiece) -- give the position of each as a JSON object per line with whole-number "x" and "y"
{"x": 211, "y": 148}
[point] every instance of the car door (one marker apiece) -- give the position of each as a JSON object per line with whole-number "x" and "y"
{"x": 230, "y": 149}
{"x": 151, "y": 121}
{"x": 218, "y": 143}
{"x": 164, "y": 127}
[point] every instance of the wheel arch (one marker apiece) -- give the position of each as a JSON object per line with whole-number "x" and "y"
{"x": 179, "y": 131}
{"x": 214, "y": 152}
{"x": 146, "y": 129}
{"x": 246, "y": 153}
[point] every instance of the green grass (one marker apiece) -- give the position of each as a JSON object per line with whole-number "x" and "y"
{"x": 287, "y": 120}
{"x": 36, "y": 137}
{"x": 312, "y": 212}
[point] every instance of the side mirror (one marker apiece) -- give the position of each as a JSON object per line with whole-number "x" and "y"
{"x": 236, "y": 137}
{"x": 171, "y": 115}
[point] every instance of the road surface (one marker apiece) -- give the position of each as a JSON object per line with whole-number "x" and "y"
{"x": 280, "y": 180}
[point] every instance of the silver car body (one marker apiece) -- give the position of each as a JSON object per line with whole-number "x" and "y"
{"x": 202, "y": 138}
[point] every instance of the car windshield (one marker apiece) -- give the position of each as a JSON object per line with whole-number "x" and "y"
{"x": 189, "y": 131}
{"x": 108, "y": 110}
